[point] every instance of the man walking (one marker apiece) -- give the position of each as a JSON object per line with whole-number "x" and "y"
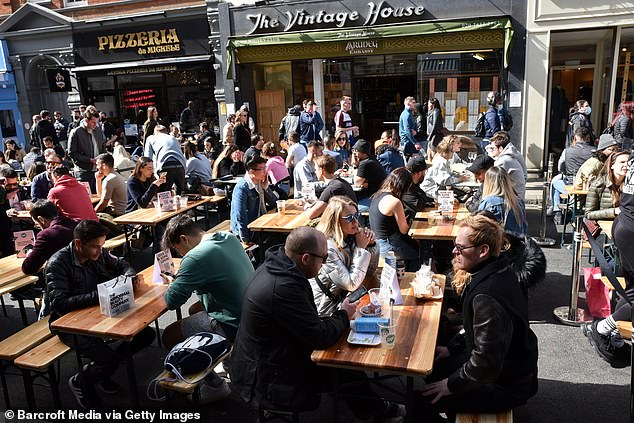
{"x": 85, "y": 143}
{"x": 407, "y": 128}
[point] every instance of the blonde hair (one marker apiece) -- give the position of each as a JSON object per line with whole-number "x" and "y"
{"x": 446, "y": 145}
{"x": 329, "y": 222}
{"x": 498, "y": 182}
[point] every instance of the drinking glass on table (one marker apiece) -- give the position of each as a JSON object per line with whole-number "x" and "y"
{"x": 472, "y": 156}
{"x": 387, "y": 333}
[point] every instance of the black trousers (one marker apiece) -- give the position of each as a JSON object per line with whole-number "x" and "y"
{"x": 104, "y": 359}
{"x": 623, "y": 234}
{"x": 175, "y": 176}
{"x": 476, "y": 397}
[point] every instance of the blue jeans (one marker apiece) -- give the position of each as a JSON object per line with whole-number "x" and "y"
{"x": 557, "y": 187}
{"x": 404, "y": 248}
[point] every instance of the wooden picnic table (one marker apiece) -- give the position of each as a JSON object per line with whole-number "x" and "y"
{"x": 149, "y": 305}
{"x": 12, "y": 278}
{"x": 151, "y": 216}
{"x": 413, "y": 355}
{"x": 571, "y": 190}
{"x": 440, "y": 230}
{"x": 606, "y": 227}
{"x": 275, "y": 222}
{"x": 458, "y": 213}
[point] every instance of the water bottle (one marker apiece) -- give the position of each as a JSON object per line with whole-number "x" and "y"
{"x": 390, "y": 259}
{"x": 368, "y": 324}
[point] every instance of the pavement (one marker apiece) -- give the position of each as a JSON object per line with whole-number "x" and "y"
{"x": 575, "y": 384}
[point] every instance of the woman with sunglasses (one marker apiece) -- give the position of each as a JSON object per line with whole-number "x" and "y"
{"x": 387, "y": 219}
{"x": 352, "y": 254}
{"x": 342, "y": 146}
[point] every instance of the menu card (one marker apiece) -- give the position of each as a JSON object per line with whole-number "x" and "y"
{"x": 166, "y": 202}
{"x": 163, "y": 263}
{"x": 445, "y": 200}
{"x": 388, "y": 278}
{"x": 24, "y": 241}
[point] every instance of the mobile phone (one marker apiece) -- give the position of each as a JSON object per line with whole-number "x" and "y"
{"x": 171, "y": 275}
{"x": 357, "y": 294}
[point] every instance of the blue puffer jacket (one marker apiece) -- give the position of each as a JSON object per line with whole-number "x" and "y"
{"x": 491, "y": 122}
{"x": 495, "y": 204}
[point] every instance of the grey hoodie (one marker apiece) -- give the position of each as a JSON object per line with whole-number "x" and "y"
{"x": 511, "y": 160}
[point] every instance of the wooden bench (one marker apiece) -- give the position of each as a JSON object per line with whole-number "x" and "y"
{"x": 19, "y": 343}
{"x": 607, "y": 283}
{"x": 20, "y": 283}
{"x": 504, "y": 417}
{"x": 115, "y": 242}
{"x": 38, "y": 361}
{"x": 625, "y": 329}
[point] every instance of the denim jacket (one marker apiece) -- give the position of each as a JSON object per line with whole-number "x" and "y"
{"x": 495, "y": 204}
{"x": 245, "y": 207}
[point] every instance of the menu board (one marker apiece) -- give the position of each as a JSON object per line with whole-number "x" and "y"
{"x": 445, "y": 200}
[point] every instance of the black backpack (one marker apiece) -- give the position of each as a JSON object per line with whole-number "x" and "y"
{"x": 480, "y": 129}
{"x": 508, "y": 121}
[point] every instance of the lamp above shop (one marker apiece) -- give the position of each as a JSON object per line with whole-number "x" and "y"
{"x": 478, "y": 56}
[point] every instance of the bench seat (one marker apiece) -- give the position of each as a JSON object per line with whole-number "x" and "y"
{"x": 24, "y": 340}
{"x": 607, "y": 283}
{"x": 115, "y": 242}
{"x": 504, "y": 417}
{"x": 42, "y": 356}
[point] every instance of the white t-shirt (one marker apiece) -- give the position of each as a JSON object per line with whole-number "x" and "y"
{"x": 343, "y": 120}
{"x": 296, "y": 152}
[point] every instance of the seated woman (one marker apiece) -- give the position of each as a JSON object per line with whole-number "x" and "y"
{"x": 142, "y": 185}
{"x": 604, "y": 194}
{"x": 276, "y": 168}
{"x": 229, "y": 162}
{"x": 197, "y": 165}
{"x": 352, "y": 254}
{"x": 499, "y": 197}
{"x": 342, "y": 146}
{"x": 387, "y": 219}
{"x": 440, "y": 174}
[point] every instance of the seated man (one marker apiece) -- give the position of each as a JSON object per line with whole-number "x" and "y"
{"x": 56, "y": 233}
{"x": 72, "y": 276}
{"x": 111, "y": 187}
{"x": 415, "y": 199}
{"x": 479, "y": 168}
{"x": 325, "y": 170}
{"x": 43, "y": 182}
{"x": 70, "y": 197}
{"x": 9, "y": 194}
{"x": 217, "y": 270}
{"x": 497, "y": 370}
{"x": 304, "y": 171}
{"x": 370, "y": 173}
{"x": 280, "y": 328}
{"x": 49, "y": 144}
{"x": 251, "y": 198}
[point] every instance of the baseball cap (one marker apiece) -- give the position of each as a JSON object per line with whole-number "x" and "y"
{"x": 416, "y": 164}
{"x": 482, "y": 162}
{"x": 362, "y": 146}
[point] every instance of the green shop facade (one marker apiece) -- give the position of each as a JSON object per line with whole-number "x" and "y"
{"x": 272, "y": 55}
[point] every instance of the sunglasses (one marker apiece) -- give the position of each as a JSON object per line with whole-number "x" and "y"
{"x": 351, "y": 217}
{"x": 342, "y": 139}
{"x": 460, "y": 248}
{"x": 323, "y": 258}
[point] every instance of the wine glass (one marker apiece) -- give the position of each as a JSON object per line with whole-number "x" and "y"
{"x": 472, "y": 156}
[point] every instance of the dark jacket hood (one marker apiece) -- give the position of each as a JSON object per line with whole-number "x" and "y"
{"x": 278, "y": 263}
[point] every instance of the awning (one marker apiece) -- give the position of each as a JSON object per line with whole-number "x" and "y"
{"x": 142, "y": 63}
{"x": 377, "y": 33}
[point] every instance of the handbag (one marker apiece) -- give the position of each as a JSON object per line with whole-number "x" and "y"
{"x": 597, "y": 293}
{"x": 593, "y": 227}
{"x": 198, "y": 353}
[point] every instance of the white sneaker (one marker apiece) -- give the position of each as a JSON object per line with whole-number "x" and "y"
{"x": 209, "y": 394}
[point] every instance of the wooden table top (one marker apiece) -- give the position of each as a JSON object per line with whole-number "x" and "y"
{"x": 149, "y": 305}
{"x": 458, "y": 213}
{"x": 606, "y": 227}
{"x": 274, "y": 222}
{"x": 417, "y": 327}
{"x": 421, "y": 229}
{"x": 151, "y": 216}
{"x": 10, "y": 269}
{"x": 94, "y": 198}
{"x": 571, "y": 190}
{"x": 214, "y": 199}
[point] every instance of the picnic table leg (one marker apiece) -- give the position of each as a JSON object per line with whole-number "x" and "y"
{"x": 335, "y": 395}
{"x": 52, "y": 380}
{"x": 4, "y": 307}
{"x": 128, "y": 248}
{"x": 25, "y": 321}
{"x": 409, "y": 405}
{"x": 5, "y": 390}
{"x": 134, "y": 390}
{"x": 207, "y": 215}
{"x": 155, "y": 242}
{"x": 158, "y": 333}
{"x": 28, "y": 388}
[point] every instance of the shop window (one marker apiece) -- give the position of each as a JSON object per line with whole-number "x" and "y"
{"x": 183, "y": 78}
{"x": 274, "y": 76}
{"x": 337, "y": 83}
{"x": 140, "y": 80}
{"x": 74, "y": 3}
{"x": 100, "y": 83}
{"x": 302, "y": 81}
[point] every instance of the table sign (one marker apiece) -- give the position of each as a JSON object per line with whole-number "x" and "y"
{"x": 389, "y": 279}
{"x": 166, "y": 202}
{"x": 115, "y": 295}
{"x": 445, "y": 200}
{"x": 14, "y": 203}
{"x": 24, "y": 241}
{"x": 163, "y": 263}
{"x": 87, "y": 186}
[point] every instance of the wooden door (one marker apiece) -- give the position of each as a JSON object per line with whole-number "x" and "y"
{"x": 270, "y": 106}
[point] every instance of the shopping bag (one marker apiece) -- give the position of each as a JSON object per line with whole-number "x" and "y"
{"x": 116, "y": 296}
{"x": 597, "y": 294}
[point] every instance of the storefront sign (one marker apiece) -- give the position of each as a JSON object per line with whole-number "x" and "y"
{"x": 58, "y": 80}
{"x": 361, "y": 47}
{"x": 135, "y": 71}
{"x": 297, "y": 20}
{"x": 157, "y": 40}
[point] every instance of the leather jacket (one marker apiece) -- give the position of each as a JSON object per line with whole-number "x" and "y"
{"x": 500, "y": 345}
{"x": 72, "y": 285}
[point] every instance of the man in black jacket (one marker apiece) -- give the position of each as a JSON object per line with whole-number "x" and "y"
{"x": 72, "y": 276}
{"x": 280, "y": 328}
{"x": 415, "y": 199}
{"x": 497, "y": 368}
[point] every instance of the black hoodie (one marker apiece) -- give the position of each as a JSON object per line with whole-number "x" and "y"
{"x": 279, "y": 329}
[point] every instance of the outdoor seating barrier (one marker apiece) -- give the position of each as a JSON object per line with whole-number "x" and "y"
{"x": 542, "y": 240}
{"x": 606, "y": 270}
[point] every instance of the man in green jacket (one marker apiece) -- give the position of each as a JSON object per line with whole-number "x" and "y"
{"x": 217, "y": 269}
